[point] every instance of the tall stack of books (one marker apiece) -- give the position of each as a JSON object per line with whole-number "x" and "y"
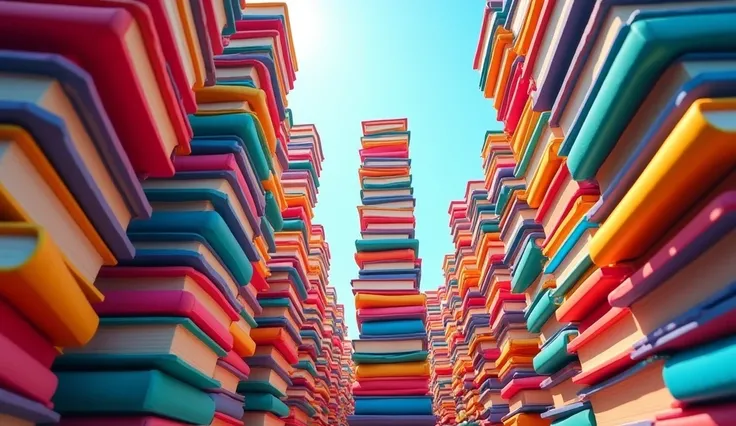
{"x": 392, "y": 373}
{"x": 347, "y": 378}
{"x": 442, "y": 368}
{"x": 454, "y": 338}
{"x": 148, "y": 184}
{"x": 331, "y": 368}
{"x": 441, "y": 379}
{"x": 311, "y": 385}
{"x": 623, "y": 201}
{"x": 278, "y": 375}
{"x": 300, "y": 184}
{"x": 463, "y": 265}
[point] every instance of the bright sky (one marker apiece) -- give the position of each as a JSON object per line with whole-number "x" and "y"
{"x": 361, "y": 60}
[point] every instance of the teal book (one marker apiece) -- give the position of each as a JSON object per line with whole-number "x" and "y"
{"x": 131, "y": 393}
{"x": 385, "y": 245}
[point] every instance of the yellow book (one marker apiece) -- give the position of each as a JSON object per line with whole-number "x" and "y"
{"x": 504, "y": 73}
{"x": 35, "y": 280}
{"x": 544, "y": 167}
{"x": 502, "y": 42}
{"x": 684, "y": 169}
{"x": 406, "y": 369}
{"x": 243, "y": 344}
{"x": 526, "y": 34}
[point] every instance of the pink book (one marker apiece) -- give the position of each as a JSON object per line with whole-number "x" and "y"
{"x": 17, "y": 329}
{"x": 22, "y": 374}
{"x": 165, "y": 303}
{"x": 517, "y": 385}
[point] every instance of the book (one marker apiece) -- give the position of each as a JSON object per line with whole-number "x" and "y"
{"x": 145, "y": 393}
{"x": 41, "y": 286}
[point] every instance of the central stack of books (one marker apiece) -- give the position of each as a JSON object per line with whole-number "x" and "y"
{"x": 391, "y": 357}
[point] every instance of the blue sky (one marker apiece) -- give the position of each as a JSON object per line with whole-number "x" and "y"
{"x": 361, "y": 60}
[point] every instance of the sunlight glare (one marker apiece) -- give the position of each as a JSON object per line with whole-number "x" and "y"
{"x": 305, "y": 25}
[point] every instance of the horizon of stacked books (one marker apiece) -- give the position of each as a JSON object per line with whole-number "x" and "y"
{"x": 391, "y": 357}
{"x": 162, "y": 267}
{"x": 611, "y": 194}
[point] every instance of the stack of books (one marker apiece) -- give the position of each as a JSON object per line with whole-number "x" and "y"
{"x": 607, "y": 211}
{"x": 277, "y": 375}
{"x": 331, "y": 366}
{"x": 466, "y": 392}
{"x": 347, "y": 378}
{"x": 441, "y": 379}
{"x": 301, "y": 183}
{"x": 148, "y": 185}
{"x": 392, "y": 372}
{"x": 306, "y": 396}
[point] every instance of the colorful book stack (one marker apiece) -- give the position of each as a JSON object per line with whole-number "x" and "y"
{"x": 347, "y": 378}
{"x": 448, "y": 413}
{"x": 336, "y": 411}
{"x": 441, "y": 379}
{"x": 181, "y": 148}
{"x": 277, "y": 376}
{"x": 309, "y": 386}
{"x": 392, "y": 373}
{"x": 452, "y": 334}
{"x": 614, "y": 188}
{"x": 463, "y": 265}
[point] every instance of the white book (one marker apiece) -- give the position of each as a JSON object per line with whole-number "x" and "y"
{"x": 385, "y": 180}
{"x": 380, "y": 346}
{"x": 389, "y": 212}
{"x": 377, "y": 266}
{"x": 374, "y": 163}
{"x": 396, "y": 205}
{"x": 387, "y": 192}
{"x": 519, "y": 16}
